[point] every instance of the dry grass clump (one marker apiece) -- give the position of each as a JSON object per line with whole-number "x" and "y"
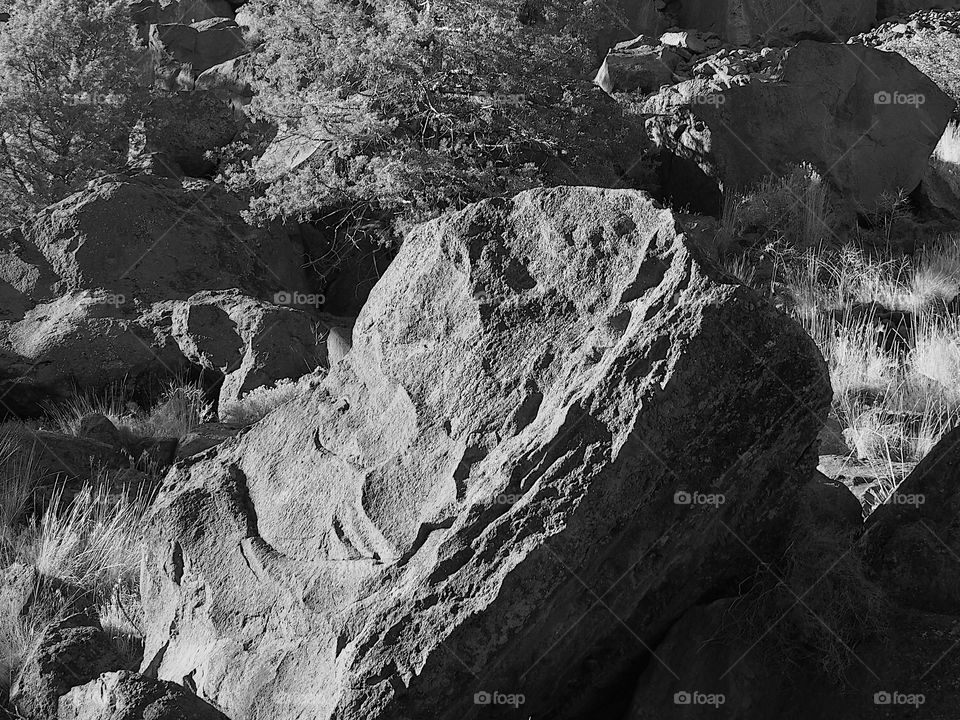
{"x": 85, "y": 550}
{"x": 181, "y": 407}
{"x": 794, "y": 208}
{"x": 261, "y": 401}
{"x": 887, "y": 329}
{"x": 948, "y": 149}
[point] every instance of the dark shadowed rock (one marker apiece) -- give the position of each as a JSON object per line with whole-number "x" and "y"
{"x": 201, "y": 45}
{"x": 910, "y": 671}
{"x": 749, "y": 21}
{"x": 640, "y": 64}
{"x": 145, "y": 239}
{"x": 96, "y": 426}
{"x": 93, "y": 281}
{"x": 543, "y": 399}
{"x": 67, "y": 654}
{"x": 912, "y": 542}
{"x": 253, "y": 343}
{"x": 869, "y": 122}
{"x": 130, "y": 696}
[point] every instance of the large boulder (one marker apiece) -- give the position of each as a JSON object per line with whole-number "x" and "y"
{"x": 146, "y": 239}
{"x": 67, "y": 654}
{"x": 130, "y": 696}
{"x": 710, "y": 667}
{"x": 201, "y": 45}
{"x": 929, "y": 40}
{"x": 251, "y": 342}
{"x": 557, "y": 428}
{"x": 229, "y": 81}
{"x": 869, "y": 122}
{"x": 86, "y": 339}
{"x": 745, "y": 22}
{"x": 92, "y": 283}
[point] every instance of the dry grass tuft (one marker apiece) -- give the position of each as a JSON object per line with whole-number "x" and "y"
{"x": 261, "y": 401}
{"x": 180, "y": 409}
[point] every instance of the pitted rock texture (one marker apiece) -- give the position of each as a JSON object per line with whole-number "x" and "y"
{"x": 536, "y": 388}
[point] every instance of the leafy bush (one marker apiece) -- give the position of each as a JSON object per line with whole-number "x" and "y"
{"x": 384, "y": 114}
{"x": 68, "y": 97}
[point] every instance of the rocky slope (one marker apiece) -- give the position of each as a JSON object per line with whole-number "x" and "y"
{"x": 561, "y": 465}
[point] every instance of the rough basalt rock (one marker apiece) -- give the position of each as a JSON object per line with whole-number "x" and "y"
{"x": 130, "y": 696}
{"x": 866, "y": 120}
{"x": 66, "y": 655}
{"x": 510, "y": 485}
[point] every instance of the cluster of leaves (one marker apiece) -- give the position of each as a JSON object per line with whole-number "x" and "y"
{"x": 389, "y": 113}
{"x": 69, "y": 94}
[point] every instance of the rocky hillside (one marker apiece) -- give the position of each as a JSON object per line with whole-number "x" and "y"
{"x": 479, "y": 360}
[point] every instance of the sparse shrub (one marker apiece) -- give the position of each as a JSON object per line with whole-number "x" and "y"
{"x": 794, "y": 208}
{"x": 181, "y": 408}
{"x": 261, "y": 401}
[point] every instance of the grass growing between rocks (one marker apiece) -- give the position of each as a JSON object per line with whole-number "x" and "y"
{"x": 889, "y": 329}
{"x": 181, "y": 408}
{"x": 80, "y": 554}
{"x": 261, "y": 401}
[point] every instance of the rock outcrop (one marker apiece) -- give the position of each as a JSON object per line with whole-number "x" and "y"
{"x": 866, "y": 120}
{"x": 151, "y": 239}
{"x": 250, "y": 342}
{"x": 557, "y": 428}
{"x": 745, "y": 22}
{"x": 66, "y": 655}
{"x": 97, "y": 282}
{"x": 130, "y": 696}
{"x": 201, "y": 45}
{"x": 929, "y": 40}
